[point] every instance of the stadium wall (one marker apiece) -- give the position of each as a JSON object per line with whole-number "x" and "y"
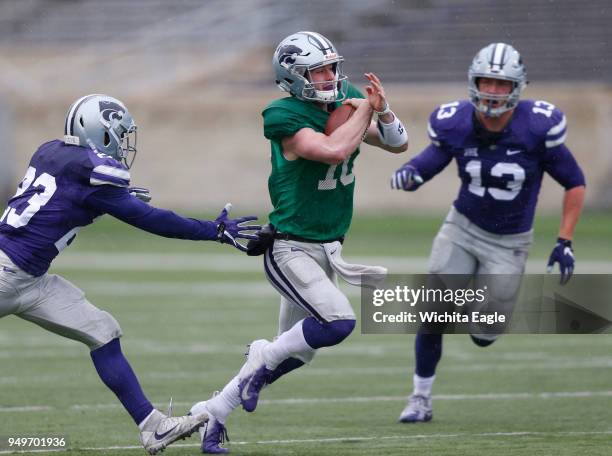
{"x": 199, "y": 147}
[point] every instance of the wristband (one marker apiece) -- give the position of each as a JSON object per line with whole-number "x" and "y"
{"x": 393, "y": 134}
{"x": 386, "y": 110}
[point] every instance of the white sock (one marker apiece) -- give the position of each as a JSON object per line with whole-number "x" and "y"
{"x": 288, "y": 344}
{"x": 422, "y": 385}
{"x": 143, "y": 423}
{"x": 226, "y": 401}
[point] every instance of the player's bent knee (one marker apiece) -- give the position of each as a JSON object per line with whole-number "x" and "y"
{"x": 327, "y": 334}
{"x": 341, "y": 329}
{"x": 107, "y": 329}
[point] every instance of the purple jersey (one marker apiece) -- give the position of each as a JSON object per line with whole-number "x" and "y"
{"x": 501, "y": 173}
{"x": 48, "y": 209}
{"x": 65, "y": 188}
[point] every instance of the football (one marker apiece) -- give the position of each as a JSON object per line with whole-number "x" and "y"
{"x": 340, "y": 115}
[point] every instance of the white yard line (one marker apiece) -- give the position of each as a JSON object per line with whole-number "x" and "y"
{"x": 354, "y": 399}
{"x": 348, "y": 438}
{"x": 577, "y": 364}
{"x": 234, "y": 262}
{"x": 165, "y": 289}
{"x": 27, "y": 408}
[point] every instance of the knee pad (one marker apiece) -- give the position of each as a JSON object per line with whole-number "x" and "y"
{"x": 340, "y": 329}
{"x": 319, "y": 335}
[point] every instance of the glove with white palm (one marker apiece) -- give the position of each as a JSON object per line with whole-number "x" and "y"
{"x": 229, "y": 231}
{"x": 141, "y": 193}
{"x": 406, "y": 178}
{"x": 564, "y": 255}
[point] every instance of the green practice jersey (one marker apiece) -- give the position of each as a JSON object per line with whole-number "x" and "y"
{"x": 311, "y": 199}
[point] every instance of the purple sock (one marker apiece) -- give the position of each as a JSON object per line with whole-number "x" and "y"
{"x": 116, "y": 373}
{"x": 319, "y": 334}
{"x": 284, "y": 368}
{"x": 428, "y": 351}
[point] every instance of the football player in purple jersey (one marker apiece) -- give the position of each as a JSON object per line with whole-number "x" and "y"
{"x": 67, "y": 185}
{"x": 502, "y": 146}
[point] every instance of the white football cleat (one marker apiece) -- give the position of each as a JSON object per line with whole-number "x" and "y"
{"x": 213, "y": 434}
{"x": 161, "y": 430}
{"x": 253, "y": 375}
{"x": 417, "y": 410}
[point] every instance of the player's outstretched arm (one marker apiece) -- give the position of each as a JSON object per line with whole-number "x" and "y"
{"x": 338, "y": 146}
{"x": 387, "y": 132}
{"x": 120, "y": 204}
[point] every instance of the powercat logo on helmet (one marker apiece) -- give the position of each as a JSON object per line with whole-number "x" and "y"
{"x": 288, "y": 53}
{"x": 111, "y": 110}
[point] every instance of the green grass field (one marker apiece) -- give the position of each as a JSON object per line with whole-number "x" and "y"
{"x": 187, "y": 310}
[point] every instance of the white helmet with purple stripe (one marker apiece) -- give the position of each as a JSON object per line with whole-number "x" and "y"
{"x": 104, "y": 124}
{"x": 300, "y": 53}
{"x": 497, "y": 61}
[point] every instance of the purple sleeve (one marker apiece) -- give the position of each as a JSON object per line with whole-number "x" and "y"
{"x": 562, "y": 166}
{"x": 129, "y": 209}
{"x": 431, "y": 161}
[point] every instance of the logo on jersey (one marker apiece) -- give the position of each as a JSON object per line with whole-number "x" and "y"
{"x": 288, "y": 53}
{"x": 513, "y": 151}
{"x": 470, "y": 152}
{"x": 111, "y": 110}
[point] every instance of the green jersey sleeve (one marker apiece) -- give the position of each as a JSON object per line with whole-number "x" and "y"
{"x": 284, "y": 118}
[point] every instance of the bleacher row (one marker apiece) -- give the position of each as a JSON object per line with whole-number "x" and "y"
{"x": 404, "y": 40}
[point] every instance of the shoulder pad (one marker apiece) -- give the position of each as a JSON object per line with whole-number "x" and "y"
{"x": 546, "y": 122}
{"x": 352, "y": 91}
{"x": 105, "y": 170}
{"x": 289, "y": 103}
{"x": 286, "y": 116}
{"x": 448, "y": 120}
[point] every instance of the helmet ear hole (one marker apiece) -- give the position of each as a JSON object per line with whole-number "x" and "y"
{"x": 81, "y": 121}
{"x": 106, "y": 139}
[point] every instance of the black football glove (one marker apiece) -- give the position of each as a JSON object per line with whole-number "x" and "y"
{"x": 265, "y": 240}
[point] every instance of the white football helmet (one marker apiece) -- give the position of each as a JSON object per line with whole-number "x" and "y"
{"x": 497, "y": 61}
{"x": 300, "y": 53}
{"x": 104, "y": 124}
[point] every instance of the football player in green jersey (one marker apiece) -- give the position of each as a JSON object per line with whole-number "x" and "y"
{"x": 311, "y": 188}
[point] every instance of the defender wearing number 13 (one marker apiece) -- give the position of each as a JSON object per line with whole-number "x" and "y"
{"x": 502, "y": 147}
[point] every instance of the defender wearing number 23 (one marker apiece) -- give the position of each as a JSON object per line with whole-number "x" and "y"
{"x": 69, "y": 184}
{"x": 502, "y": 147}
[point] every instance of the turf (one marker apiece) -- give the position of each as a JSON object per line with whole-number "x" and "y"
{"x": 536, "y": 395}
